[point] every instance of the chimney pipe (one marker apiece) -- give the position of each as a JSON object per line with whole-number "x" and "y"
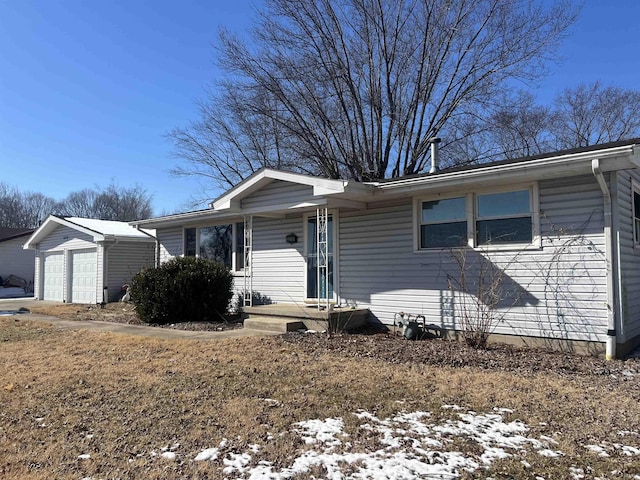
{"x": 435, "y": 157}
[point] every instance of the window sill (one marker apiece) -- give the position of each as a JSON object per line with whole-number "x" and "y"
{"x": 485, "y": 248}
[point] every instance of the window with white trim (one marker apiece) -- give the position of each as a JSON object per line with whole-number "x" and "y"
{"x": 484, "y": 218}
{"x": 636, "y": 215}
{"x": 443, "y": 223}
{"x": 220, "y": 243}
{"x": 504, "y": 217}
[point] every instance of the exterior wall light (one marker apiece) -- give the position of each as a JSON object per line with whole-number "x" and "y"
{"x": 291, "y": 238}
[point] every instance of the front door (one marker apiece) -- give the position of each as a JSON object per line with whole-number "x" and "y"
{"x": 320, "y": 282}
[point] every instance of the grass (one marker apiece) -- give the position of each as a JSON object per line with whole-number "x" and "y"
{"x": 121, "y": 400}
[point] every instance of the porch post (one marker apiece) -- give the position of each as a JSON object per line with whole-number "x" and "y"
{"x": 247, "y": 292}
{"x": 323, "y": 256}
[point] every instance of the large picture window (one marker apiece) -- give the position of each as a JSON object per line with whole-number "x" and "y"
{"x": 219, "y": 243}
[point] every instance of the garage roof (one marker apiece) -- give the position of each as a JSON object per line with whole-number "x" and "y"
{"x": 100, "y": 230}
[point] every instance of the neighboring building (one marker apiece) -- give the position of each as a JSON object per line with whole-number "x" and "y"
{"x": 13, "y": 259}
{"x": 561, "y": 231}
{"x": 82, "y": 260}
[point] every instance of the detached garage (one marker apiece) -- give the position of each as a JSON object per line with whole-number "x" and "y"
{"x": 83, "y": 260}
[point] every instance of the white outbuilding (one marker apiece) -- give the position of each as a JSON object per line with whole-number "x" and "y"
{"x": 84, "y": 260}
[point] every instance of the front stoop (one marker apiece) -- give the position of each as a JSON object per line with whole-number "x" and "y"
{"x": 273, "y": 324}
{"x": 292, "y": 317}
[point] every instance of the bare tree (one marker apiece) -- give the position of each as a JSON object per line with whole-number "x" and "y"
{"x": 23, "y": 209}
{"x": 520, "y": 128}
{"x": 28, "y": 209}
{"x": 590, "y": 114}
{"x": 355, "y": 88}
{"x": 111, "y": 203}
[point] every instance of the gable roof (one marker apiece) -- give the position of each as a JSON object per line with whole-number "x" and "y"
{"x": 264, "y": 176}
{"x": 7, "y": 233}
{"x": 99, "y": 230}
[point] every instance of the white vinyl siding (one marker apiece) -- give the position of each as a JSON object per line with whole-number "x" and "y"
{"x": 278, "y": 267}
{"x": 628, "y": 256}
{"x": 124, "y": 260}
{"x": 14, "y": 260}
{"x": 171, "y": 243}
{"x": 560, "y": 289}
{"x": 277, "y": 193}
{"x": 66, "y": 238}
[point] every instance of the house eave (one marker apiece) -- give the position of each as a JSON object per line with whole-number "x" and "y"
{"x": 619, "y": 158}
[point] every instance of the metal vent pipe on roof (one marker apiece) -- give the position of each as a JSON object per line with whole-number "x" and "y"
{"x": 435, "y": 156}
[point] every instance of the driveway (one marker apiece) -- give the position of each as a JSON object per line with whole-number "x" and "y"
{"x": 12, "y": 306}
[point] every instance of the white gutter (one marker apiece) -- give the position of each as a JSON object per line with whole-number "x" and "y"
{"x": 608, "y": 253}
{"x": 572, "y": 163}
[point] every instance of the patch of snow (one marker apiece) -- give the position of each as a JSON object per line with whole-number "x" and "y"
{"x": 597, "y": 449}
{"x": 630, "y": 451}
{"x": 576, "y": 473}
{"x": 168, "y": 455}
{"x": 411, "y": 445}
{"x": 236, "y": 462}
{"x": 322, "y": 431}
{"x": 452, "y": 407}
{"x": 272, "y": 402}
{"x": 207, "y": 454}
{"x": 545, "y": 452}
{"x": 84, "y": 456}
{"x": 502, "y": 410}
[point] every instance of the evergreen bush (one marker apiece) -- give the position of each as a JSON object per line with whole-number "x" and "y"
{"x": 181, "y": 290}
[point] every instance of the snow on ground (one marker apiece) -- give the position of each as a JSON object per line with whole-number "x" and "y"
{"x": 408, "y": 445}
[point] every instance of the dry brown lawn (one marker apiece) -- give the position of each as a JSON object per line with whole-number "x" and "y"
{"x": 94, "y": 405}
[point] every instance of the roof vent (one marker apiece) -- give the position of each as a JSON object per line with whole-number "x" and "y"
{"x": 435, "y": 157}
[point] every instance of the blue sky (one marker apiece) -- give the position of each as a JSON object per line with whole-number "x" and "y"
{"x": 89, "y": 88}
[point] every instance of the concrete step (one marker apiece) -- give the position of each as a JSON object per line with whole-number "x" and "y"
{"x": 273, "y": 324}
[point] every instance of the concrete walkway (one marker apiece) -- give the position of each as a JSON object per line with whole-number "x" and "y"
{"x": 14, "y": 305}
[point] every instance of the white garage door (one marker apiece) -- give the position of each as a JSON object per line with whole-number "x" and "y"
{"x": 83, "y": 276}
{"x": 53, "y": 273}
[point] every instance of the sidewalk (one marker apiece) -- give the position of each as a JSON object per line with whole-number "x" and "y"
{"x": 8, "y": 306}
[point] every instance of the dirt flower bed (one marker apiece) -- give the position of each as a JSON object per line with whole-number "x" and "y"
{"x": 121, "y": 312}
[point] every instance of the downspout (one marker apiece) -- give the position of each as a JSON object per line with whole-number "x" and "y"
{"x": 608, "y": 253}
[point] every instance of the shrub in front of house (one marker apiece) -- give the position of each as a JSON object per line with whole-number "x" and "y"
{"x": 184, "y": 289}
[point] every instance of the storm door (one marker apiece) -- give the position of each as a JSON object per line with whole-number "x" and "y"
{"x": 320, "y": 258}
